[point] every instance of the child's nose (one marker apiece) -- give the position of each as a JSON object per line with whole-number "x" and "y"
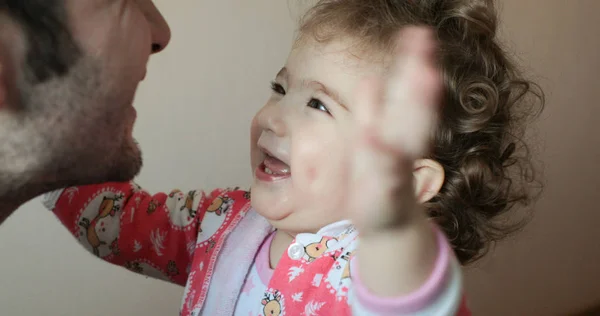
{"x": 270, "y": 118}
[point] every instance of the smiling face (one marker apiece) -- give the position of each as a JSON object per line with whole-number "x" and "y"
{"x": 74, "y": 128}
{"x": 298, "y": 137}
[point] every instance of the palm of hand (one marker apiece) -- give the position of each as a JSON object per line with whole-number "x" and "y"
{"x": 393, "y": 125}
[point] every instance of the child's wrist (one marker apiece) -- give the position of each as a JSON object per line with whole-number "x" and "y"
{"x": 410, "y": 253}
{"x": 397, "y": 223}
{"x": 418, "y": 225}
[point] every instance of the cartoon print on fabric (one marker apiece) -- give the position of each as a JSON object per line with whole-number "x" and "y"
{"x": 315, "y": 250}
{"x": 152, "y": 206}
{"x": 172, "y": 268}
{"x": 220, "y": 205}
{"x": 147, "y": 268}
{"x": 182, "y": 207}
{"x": 339, "y": 278}
{"x": 99, "y": 223}
{"x": 309, "y": 290}
{"x": 346, "y": 271}
{"x": 212, "y": 234}
{"x": 217, "y": 213}
{"x": 272, "y": 303}
{"x": 189, "y": 200}
{"x": 320, "y": 280}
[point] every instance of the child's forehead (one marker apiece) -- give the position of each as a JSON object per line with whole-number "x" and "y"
{"x": 336, "y": 58}
{"x": 347, "y": 52}
{"x": 335, "y": 68}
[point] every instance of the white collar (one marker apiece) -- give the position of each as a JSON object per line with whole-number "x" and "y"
{"x": 336, "y": 229}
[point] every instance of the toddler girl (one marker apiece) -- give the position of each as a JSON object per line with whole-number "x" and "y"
{"x": 373, "y": 128}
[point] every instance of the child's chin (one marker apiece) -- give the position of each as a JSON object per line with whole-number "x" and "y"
{"x": 272, "y": 205}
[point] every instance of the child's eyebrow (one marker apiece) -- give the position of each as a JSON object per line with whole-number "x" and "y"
{"x": 284, "y": 74}
{"x": 330, "y": 92}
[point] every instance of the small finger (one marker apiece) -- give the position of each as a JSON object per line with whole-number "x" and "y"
{"x": 412, "y": 94}
{"x": 368, "y": 101}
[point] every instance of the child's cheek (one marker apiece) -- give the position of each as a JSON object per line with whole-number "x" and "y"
{"x": 319, "y": 167}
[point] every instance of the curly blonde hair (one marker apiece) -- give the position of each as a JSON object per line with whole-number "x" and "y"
{"x": 487, "y": 104}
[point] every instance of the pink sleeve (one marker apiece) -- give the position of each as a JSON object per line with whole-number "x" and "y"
{"x": 443, "y": 280}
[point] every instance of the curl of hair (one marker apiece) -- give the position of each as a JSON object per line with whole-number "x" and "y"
{"x": 487, "y": 106}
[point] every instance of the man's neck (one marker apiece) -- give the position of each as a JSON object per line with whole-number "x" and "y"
{"x": 6, "y": 209}
{"x": 10, "y": 202}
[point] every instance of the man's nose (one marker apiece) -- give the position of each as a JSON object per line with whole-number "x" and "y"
{"x": 161, "y": 33}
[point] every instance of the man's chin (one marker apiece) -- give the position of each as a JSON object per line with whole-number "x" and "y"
{"x": 128, "y": 165}
{"x": 121, "y": 175}
{"x": 79, "y": 172}
{"x": 124, "y": 166}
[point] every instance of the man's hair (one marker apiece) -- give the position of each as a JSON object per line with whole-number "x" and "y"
{"x": 479, "y": 140}
{"x": 51, "y": 49}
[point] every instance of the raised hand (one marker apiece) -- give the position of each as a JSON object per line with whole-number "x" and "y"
{"x": 394, "y": 123}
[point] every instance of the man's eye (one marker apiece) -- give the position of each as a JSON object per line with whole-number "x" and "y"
{"x": 277, "y": 88}
{"x": 317, "y": 105}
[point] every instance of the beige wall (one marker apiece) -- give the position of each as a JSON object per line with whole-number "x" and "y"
{"x": 554, "y": 267}
{"x": 194, "y": 112}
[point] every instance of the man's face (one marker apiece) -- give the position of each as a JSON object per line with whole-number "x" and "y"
{"x": 76, "y": 129}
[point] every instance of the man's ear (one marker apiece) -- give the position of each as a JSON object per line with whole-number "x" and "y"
{"x": 7, "y": 79}
{"x": 5, "y": 75}
{"x": 3, "y": 88}
{"x": 11, "y": 46}
{"x": 429, "y": 178}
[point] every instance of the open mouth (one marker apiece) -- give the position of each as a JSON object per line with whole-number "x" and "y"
{"x": 272, "y": 169}
{"x": 274, "y": 166}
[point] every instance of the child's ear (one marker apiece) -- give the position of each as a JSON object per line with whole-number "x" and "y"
{"x": 429, "y": 178}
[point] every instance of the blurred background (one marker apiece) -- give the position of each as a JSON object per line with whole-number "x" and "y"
{"x": 194, "y": 112}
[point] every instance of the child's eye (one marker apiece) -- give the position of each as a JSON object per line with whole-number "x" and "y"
{"x": 277, "y": 88}
{"x": 317, "y": 105}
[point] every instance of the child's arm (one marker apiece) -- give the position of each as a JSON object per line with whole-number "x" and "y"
{"x": 439, "y": 294}
{"x": 404, "y": 266}
{"x": 155, "y": 235}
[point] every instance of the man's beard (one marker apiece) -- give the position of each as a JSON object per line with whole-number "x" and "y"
{"x": 68, "y": 131}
